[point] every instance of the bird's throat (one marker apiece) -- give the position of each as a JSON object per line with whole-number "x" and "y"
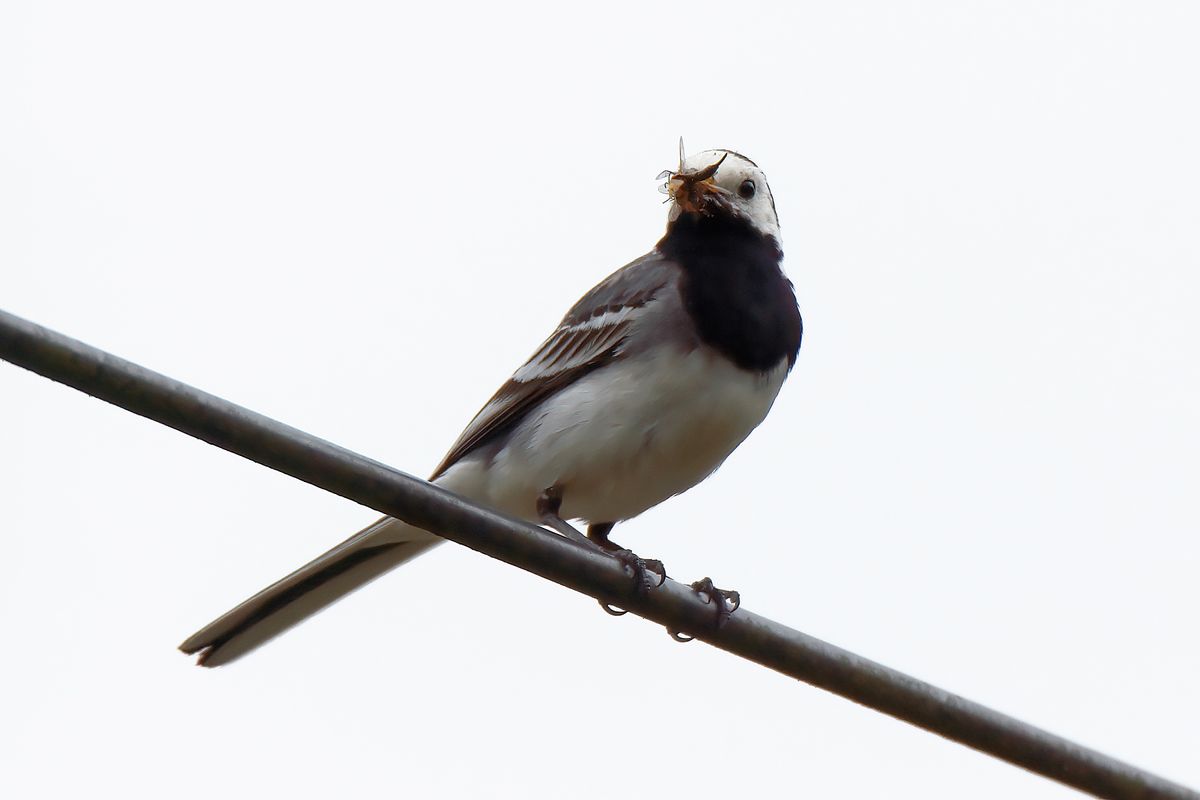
{"x": 734, "y": 289}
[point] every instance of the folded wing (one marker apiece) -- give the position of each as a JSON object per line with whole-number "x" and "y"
{"x": 589, "y": 336}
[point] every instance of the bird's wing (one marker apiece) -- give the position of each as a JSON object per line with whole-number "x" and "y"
{"x": 589, "y": 336}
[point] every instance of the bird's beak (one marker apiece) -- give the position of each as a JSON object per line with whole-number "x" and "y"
{"x": 696, "y": 192}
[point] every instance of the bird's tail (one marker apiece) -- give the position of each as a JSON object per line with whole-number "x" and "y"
{"x": 355, "y": 562}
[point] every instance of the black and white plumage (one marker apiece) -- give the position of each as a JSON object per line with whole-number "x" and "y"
{"x": 649, "y": 382}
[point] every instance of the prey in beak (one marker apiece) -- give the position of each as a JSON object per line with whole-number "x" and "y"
{"x": 696, "y": 191}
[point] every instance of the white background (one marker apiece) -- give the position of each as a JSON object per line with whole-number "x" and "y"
{"x": 359, "y": 218}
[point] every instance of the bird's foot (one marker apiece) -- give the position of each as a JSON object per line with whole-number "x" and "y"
{"x": 727, "y": 601}
{"x": 642, "y": 569}
{"x": 648, "y": 573}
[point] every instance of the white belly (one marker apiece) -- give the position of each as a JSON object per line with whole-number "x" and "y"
{"x": 625, "y": 437}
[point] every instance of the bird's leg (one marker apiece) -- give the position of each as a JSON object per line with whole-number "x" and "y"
{"x": 598, "y": 533}
{"x": 642, "y": 568}
{"x": 548, "y": 505}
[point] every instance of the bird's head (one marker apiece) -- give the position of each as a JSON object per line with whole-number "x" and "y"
{"x": 716, "y": 182}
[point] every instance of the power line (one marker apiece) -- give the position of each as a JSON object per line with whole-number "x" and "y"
{"x": 535, "y": 550}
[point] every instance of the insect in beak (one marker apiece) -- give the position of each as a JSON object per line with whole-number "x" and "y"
{"x": 692, "y": 191}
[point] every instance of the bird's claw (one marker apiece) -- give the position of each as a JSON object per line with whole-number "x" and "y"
{"x": 642, "y": 570}
{"x": 656, "y": 566}
{"x": 726, "y": 600}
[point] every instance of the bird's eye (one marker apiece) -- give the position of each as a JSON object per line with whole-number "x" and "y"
{"x": 746, "y": 190}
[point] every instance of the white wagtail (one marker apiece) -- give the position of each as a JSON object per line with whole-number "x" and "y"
{"x": 649, "y": 382}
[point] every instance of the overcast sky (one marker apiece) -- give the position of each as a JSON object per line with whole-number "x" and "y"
{"x": 359, "y": 218}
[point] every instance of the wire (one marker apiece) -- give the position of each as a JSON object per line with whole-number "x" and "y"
{"x": 678, "y": 607}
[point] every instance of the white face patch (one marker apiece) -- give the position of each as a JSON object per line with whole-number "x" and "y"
{"x": 745, "y": 186}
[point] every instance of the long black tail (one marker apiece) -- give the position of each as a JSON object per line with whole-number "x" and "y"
{"x": 354, "y": 563}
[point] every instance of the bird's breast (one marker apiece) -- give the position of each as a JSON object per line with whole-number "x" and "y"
{"x": 634, "y": 433}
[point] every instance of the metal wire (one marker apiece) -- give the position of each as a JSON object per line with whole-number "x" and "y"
{"x": 531, "y": 548}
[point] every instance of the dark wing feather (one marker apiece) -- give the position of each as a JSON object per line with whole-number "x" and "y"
{"x": 589, "y": 336}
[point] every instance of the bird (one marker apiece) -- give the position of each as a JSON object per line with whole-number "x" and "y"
{"x": 647, "y": 385}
